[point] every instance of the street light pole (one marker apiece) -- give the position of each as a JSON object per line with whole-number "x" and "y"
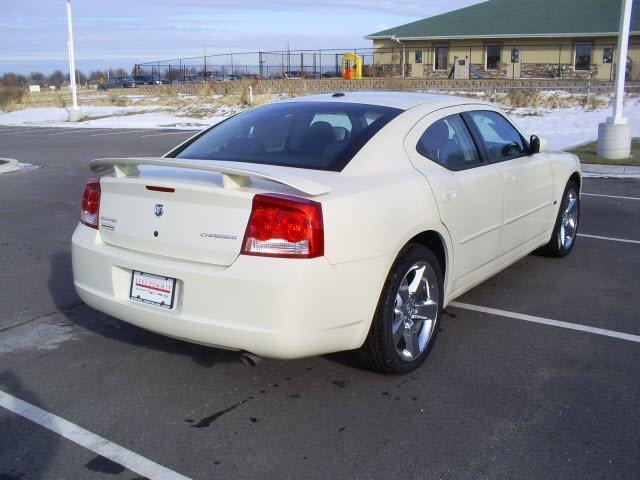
{"x": 74, "y": 114}
{"x": 614, "y": 136}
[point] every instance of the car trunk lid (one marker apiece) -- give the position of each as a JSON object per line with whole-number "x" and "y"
{"x": 184, "y": 213}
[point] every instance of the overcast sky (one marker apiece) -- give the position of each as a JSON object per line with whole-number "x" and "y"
{"x": 33, "y": 32}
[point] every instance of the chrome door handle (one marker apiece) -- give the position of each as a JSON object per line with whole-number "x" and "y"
{"x": 448, "y": 195}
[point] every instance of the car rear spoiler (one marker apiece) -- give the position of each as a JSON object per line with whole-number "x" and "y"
{"x": 233, "y": 176}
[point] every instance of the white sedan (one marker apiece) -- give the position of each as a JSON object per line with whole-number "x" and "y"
{"x": 332, "y": 222}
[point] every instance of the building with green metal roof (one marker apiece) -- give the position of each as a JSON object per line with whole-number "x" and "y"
{"x": 511, "y": 38}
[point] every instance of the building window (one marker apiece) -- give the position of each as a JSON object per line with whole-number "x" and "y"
{"x": 418, "y": 57}
{"x": 441, "y": 60}
{"x": 493, "y": 57}
{"x": 583, "y": 56}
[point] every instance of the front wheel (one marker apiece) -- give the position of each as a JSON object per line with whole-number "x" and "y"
{"x": 565, "y": 229}
{"x": 406, "y": 321}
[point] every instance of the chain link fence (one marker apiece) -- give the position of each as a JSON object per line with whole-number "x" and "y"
{"x": 585, "y": 61}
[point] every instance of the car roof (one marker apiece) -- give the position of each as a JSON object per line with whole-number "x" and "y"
{"x": 401, "y": 100}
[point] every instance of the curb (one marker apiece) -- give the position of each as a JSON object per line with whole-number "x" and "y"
{"x": 617, "y": 171}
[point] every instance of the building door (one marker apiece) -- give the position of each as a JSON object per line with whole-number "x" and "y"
{"x": 416, "y": 57}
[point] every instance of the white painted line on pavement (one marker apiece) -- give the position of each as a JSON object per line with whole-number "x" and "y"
{"x": 610, "y": 196}
{"x": 101, "y": 446}
{"x": 613, "y": 239}
{"x": 121, "y": 132}
{"x": 547, "y": 321}
{"x": 169, "y": 133}
{"x": 11, "y": 128}
{"x": 74, "y": 130}
{"x": 24, "y": 130}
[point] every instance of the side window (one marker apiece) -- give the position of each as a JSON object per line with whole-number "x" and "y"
{"x": 336, "y": 120}
{"x": 501, "y": 139}
{"x": 448, "y": 142}
{"x": 339, "y": 122}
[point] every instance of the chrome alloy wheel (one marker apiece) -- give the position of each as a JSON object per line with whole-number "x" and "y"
{"x": 415, "y": 311}
{"x": 569, "y": 221}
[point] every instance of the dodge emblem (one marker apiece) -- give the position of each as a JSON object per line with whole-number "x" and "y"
{"x": 159, "y": 209}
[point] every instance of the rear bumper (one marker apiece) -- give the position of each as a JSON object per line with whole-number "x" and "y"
{"x": 278, "y": 308}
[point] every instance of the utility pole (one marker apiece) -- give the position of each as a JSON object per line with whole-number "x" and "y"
{"x": 205, "y": 64}
{"x": 74, "y": 113}
{"x": 614, "y": 135}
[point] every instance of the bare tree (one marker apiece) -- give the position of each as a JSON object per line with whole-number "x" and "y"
{"x": 37, "y": 78}
{"x": 11, "y": 79}
{"x": 57, "y": 78}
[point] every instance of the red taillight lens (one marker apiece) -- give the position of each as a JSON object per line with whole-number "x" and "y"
{"x": 284, "y": 226}
{"x": 91, "y": 203}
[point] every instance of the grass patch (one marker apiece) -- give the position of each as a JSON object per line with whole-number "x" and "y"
{"x": 532, "y": 98}
{"x": 10, "y": 97}
{"x": 588, "y": 154}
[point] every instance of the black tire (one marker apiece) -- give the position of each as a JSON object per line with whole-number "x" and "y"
{"x": 378, "y": 352}
{"x": 555, "y": 248}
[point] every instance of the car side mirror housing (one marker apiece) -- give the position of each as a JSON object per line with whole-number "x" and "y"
{"x": 537, "y": 144}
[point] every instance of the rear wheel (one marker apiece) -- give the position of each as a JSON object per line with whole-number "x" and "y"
{"x": 565, "y": 230}
{"x": 406, "y": 321}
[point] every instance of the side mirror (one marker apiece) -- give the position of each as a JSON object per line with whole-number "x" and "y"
{"x": 537, "y": 145}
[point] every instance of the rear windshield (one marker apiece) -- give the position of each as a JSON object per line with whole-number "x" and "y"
{"x": 315, "y": 135}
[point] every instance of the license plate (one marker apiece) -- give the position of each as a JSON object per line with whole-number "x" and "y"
{"x": 152, "y": 289}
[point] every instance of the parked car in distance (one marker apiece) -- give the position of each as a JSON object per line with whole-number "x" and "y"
{"x": 150, "y": 80}
{"x": 117, "y": 82}
{"x": 332, "y": 222}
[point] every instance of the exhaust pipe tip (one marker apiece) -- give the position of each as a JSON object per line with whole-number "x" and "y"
{"x": 250, "y": 359}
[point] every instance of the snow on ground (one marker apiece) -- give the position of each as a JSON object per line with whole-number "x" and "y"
{"x": 562, "y": 127}
{"x": 568, "y": 127}
{"x": 114, "y": 117}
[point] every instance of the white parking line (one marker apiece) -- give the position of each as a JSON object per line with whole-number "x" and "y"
{"x": 613, "y": 239}
{"x": 101, "y": 446}
{"x": 610, "y": 196}
{"x": 547, "y": 321}
{"x": 120, "y": 132}
{"x": 169, "y": 133}
{"x": 25, "y": 130}
{"x": 74, "y": 130}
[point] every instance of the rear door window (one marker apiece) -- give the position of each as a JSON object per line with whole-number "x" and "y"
{"x": 448, "y": 142}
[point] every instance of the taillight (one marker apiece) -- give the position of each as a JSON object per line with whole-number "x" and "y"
{"x": 284, "y": 226}
{"x": 91, "y": 203}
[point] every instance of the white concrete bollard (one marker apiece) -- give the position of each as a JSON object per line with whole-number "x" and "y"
{"x": 614, "y": 140}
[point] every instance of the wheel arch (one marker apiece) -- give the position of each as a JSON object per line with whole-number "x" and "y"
{"x": 435, "y": 241}
{"x": 576, "y": 177}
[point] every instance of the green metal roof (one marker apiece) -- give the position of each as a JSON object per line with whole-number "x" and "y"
{"x": 501, "y": 18}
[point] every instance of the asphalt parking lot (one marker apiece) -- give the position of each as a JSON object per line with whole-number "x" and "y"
{"x": 505, "y": 392}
